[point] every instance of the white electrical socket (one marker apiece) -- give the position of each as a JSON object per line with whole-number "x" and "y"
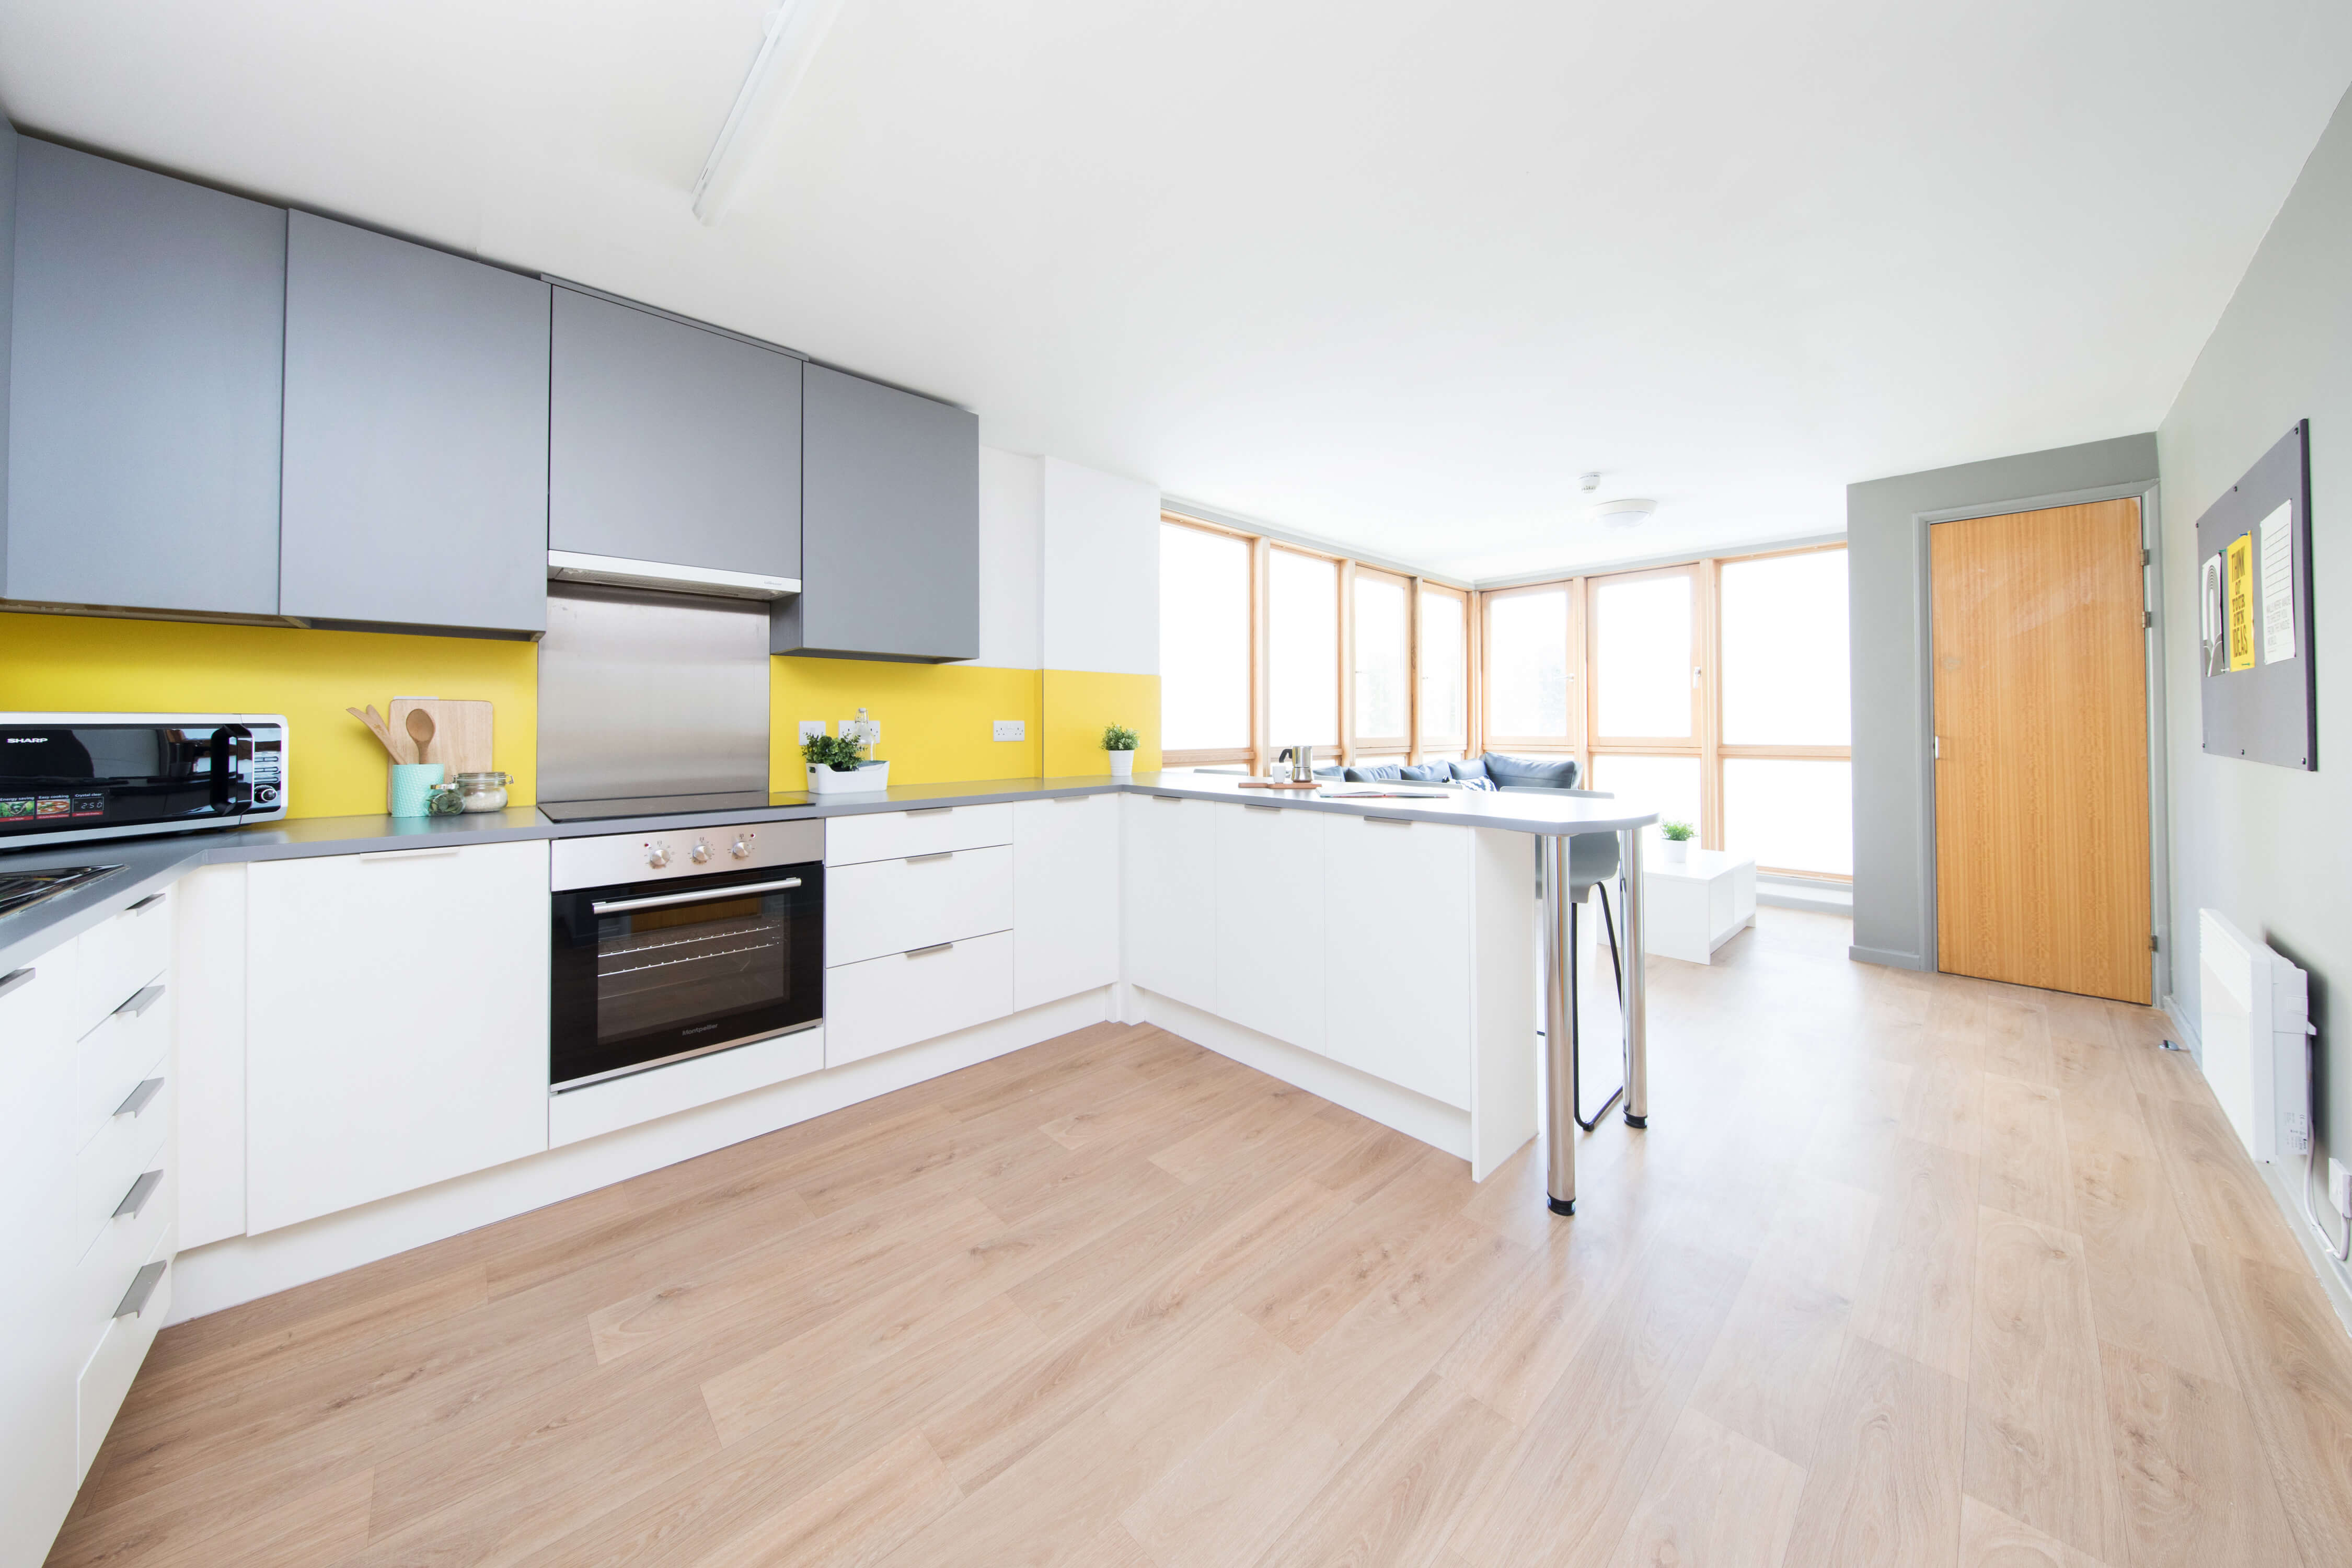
{"x": 1011, "y": 730}
{"x": 2339, "y": 1187}
{"x": 866, "y": 730}
{"x": 812, "y": 729}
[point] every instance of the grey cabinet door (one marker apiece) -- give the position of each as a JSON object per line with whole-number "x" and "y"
{"x": 671, "y": 443}
{"x": 889, "y": 525}
{"x": 143, "y": 389}
{"x": 416, "y": 477}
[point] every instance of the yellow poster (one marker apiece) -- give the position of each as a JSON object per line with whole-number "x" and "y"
{"x": 2242, "y": 602}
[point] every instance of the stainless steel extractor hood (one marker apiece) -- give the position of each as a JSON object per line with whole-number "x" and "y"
{"x": 570, "y": 566}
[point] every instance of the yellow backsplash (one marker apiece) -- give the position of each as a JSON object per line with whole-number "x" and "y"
{"x": 75, "y": 663}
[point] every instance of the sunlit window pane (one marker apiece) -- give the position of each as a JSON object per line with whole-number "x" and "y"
{"x": 1790, "y": 816}
{"x": 1526, "y": 666}
{"x": 1444, "y": 673}
{"x": 1642, "y": 657}
{"x": 1668, "y": 785}
{"x": 1382, "y": 647}
{"x": 1784, "y": 651}
{"x": 1303, "y": 650}
{"x": 1205, "y": 643}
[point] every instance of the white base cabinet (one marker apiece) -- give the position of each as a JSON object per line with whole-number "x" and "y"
{"x": 396, "y": 1023}
{"x": 1397, "y": 951}
{"x": 1065, "y": 903}
{"x": 1169, "y": 894}
{"x": 885, "y": 1002}
{"x": 1268, "y": 876}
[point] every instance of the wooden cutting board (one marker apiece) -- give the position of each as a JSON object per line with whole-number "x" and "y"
{"x": 461, "y": 737}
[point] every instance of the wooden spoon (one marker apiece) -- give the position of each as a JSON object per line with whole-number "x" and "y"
{"x": 374, "y": 722}
{"x": 420, "y": 729}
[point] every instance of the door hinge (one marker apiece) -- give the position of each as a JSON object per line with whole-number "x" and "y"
{"x": 2148, "y": 558}
{"x": 1935, "y": 747}
{"x": 2148, "y": 617}
{"x": 2153, "y": 942}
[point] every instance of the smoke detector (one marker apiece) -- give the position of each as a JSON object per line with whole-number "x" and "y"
{"x": 1631, "y": 513}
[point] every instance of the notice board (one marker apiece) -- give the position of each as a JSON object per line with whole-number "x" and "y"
{"x": 2254, "y": 678}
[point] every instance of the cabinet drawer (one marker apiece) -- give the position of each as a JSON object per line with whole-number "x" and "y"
{"x": 884, "y": 907}
{"x": 885, "y": 1002}
{"x": 95, "y": 1285}
{"x": 110, "y": 1164}
{"x": 123, "y": 955}
{"x": 114, "y": 1059}
{"x": 894, "y": 835}
{"x": 107, "y": 1376}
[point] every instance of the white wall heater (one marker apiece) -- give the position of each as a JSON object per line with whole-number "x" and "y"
{"x": 2255, "y": 1012}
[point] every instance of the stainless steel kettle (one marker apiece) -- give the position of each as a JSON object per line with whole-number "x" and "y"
{"x": 1295, "y": 764}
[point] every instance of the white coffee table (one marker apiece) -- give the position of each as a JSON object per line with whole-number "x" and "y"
{"x": 1699, "y": 905}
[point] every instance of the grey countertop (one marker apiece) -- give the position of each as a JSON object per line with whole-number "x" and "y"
{"x": 149, "y": 864}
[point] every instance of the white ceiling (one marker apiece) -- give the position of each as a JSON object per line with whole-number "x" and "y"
{"x": 1385, "y": 272}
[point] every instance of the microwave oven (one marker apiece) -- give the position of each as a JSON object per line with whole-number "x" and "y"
{"x": 70, "y": 776}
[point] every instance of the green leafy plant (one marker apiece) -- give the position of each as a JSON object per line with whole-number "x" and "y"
{"x": 1679, "y": 832}
{"x": 1118, "y": 738}
{"x": 835, "y": 751}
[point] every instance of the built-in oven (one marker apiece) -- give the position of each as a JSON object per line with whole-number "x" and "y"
{"x": 675, "y": 944}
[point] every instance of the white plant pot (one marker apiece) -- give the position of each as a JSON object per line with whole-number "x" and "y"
{"x": 1675, "y": 851}
{"x": 866, "y": 780}
{"x": 1122, "y": 764}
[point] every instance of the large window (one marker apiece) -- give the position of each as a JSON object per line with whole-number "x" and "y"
{"x": 1715, "y": 691}
{"x": 1383, "y": 635}
{"x": 1445, "y": 672}
{"x": 1302, "y": 606}
{"x": 1265, "y": 645}
{"x": 1529, "y": 672}
{"x": 1205, "y": 643}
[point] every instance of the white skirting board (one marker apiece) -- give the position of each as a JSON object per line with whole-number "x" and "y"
{"x": 1437, "y": 1124}
{"x": 244, "y": 1268}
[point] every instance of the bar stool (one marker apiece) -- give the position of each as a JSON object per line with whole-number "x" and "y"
{"x": 1593, "y": 861}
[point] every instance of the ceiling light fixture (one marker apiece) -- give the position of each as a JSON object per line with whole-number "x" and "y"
{"x": 788, "y": 43}
{"x": 1589, "y": 482}
{"x": 1630, "y": 513}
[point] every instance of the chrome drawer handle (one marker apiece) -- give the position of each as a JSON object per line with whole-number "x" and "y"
{"x": 662, "y": 900}
{"x": 1391, "y": 821}
{"x": 141, "y": 1000}
{"x": 1177, "y": 798}
{"x": 141, "y": 1096}
{"x": 1252, "y": 805}
{"x": 143, "y": 1290}
{"x": 140, "y": 1191}
{"x": 149, "y": 902}
{"x": 1071, "y": 799}
{"x": 15, "y": 979}
{"x": 926, "y": 860}
{"x": 927, "y": 952}
{"x": 391, "y": 856}
{"x": 931, "y": 811}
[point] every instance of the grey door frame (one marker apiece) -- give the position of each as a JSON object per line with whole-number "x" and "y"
{"x": 2159, "y": 878}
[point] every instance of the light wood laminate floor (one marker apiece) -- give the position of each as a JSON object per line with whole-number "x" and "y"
{"x": 1908, "y": 1270}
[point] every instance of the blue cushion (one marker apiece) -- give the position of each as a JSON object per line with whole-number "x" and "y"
{"x": 1530, "y": 772}
{"x": 1426, "y": 772}
{"x": 1475, "y": 768}
{"x": 1378, "y": 772}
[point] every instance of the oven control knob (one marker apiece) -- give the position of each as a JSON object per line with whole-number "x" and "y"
{"x": 657, "y": 856}
{"x": 743, "y": 849}
{"x": 700, "y": 852}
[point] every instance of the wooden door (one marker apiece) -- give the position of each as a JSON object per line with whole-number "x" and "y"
{"x": 2041, "y": 826}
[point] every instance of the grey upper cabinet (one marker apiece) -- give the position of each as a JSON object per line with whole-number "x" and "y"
{"x": 889, "y": 525}
{"x": 8, "y": 292}
{"x": 671, "y": 443}
{"x": 143, "y": 389}
{"x": 416, "y": 469}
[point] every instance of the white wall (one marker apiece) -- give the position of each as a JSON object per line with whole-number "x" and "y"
{"x": 1101, "y": 570}
{"x": 1011, "y": 500}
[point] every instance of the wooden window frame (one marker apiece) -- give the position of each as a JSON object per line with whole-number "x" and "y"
{"x": 1468, "y": 600}
{"x": 1359, "y": 744}
{"x": 1246, "y": 753}
{"x": 1711, "y": 780}
{"x": 1572, "y": 744}
{"x": 1343, "y": 643}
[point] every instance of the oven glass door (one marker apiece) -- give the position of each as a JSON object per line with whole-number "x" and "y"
{"x": 649, "y": 973}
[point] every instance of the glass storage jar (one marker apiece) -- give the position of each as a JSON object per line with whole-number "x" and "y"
{"x": 484, "y": 792}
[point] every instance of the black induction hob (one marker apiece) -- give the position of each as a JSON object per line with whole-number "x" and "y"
{"x": 23, "y": 889}
{"x": 652, "y": 805}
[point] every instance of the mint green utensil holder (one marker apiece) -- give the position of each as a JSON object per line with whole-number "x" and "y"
{"x": 411, "y": 783}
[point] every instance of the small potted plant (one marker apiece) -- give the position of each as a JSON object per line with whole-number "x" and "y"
{"x": 836, "y": 765}
{"x": 1680, "y": 836}
{"x": 1120, "y": 743}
